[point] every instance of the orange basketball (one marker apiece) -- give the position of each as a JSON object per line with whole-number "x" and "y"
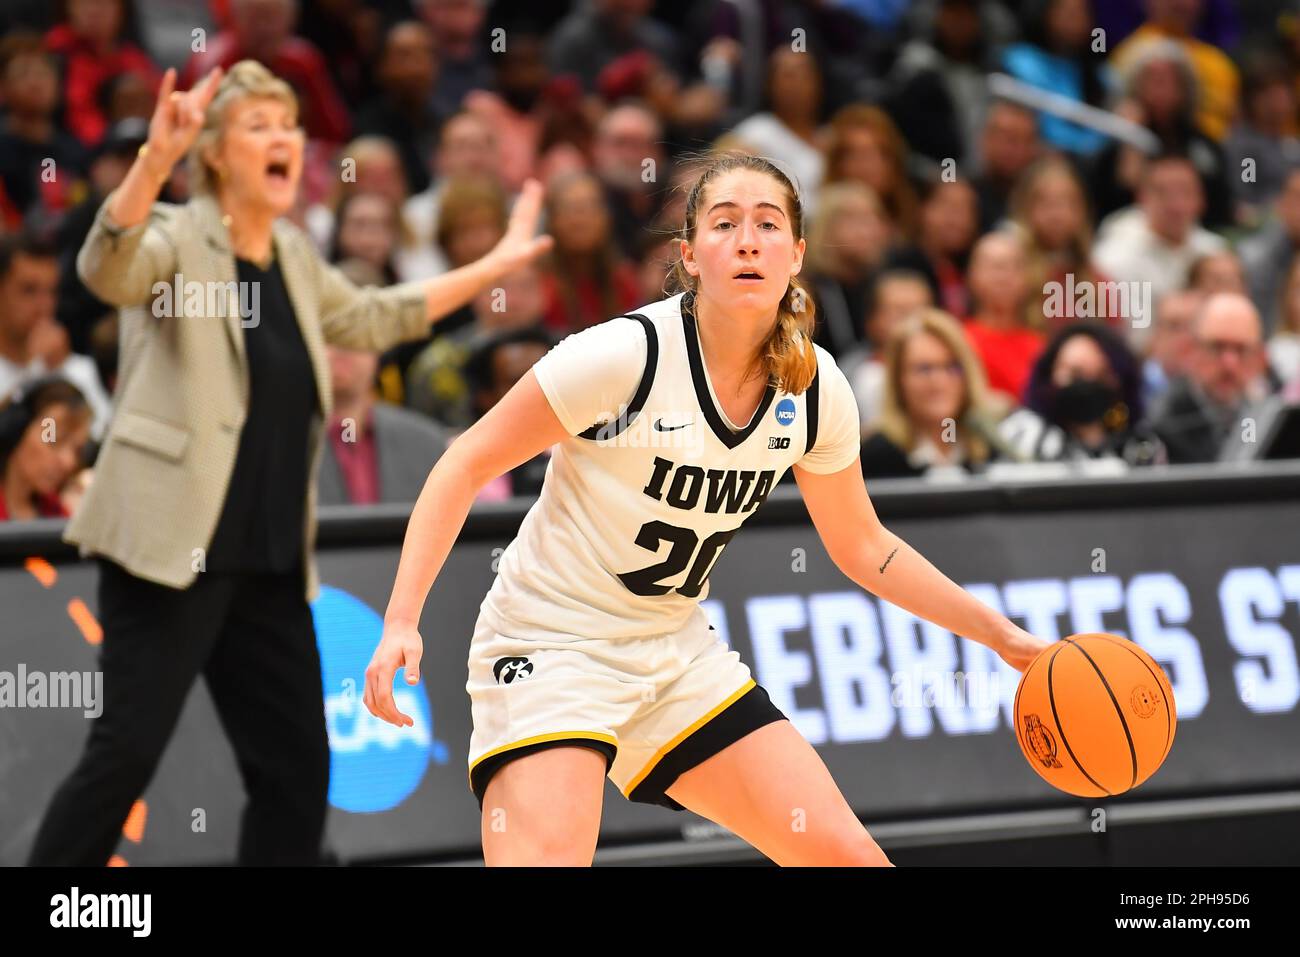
{"x": 1095, "y": 715}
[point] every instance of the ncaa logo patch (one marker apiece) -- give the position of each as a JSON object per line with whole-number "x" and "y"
{"x": 785, "y": 412}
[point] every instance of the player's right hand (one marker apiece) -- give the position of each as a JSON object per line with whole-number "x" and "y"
{"x": 400, "y": 647}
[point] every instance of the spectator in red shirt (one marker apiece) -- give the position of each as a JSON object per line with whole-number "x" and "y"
{"x": 44, "y": 427}
{"x": 587, "y": 281}
{"x": 263, "y": 30}
{"x": 93, "y": 45}
{"x": 999, "y": 282}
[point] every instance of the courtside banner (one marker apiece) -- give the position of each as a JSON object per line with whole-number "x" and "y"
{"x": 1199, "y": 567}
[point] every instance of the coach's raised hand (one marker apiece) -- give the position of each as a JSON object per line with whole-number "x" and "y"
{"x": 177, "y": 120}
{"x": 175, "y": 124}
{"x": 520, "y": 244}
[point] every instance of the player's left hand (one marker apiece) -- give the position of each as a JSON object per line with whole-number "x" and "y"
{"x": 1019, "y": 648}
{"x": 401, "y": 647}
{"x": 520, "y": 245}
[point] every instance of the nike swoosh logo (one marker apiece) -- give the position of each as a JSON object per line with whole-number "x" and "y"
{"x": 659, "y": 424}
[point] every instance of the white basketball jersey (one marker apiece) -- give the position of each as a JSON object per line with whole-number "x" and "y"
{"x": 640, "y": 501}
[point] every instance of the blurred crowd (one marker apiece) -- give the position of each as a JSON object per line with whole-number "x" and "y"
{"x": 1039, "y": 231}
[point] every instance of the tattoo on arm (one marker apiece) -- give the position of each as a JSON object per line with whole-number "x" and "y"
{"x": 888, "y": 560}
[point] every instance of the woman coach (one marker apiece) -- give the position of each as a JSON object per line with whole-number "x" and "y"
{"x": 203, "y": 510}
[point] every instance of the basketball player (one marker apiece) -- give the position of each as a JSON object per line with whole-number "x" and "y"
{"x": 591, "y": 657}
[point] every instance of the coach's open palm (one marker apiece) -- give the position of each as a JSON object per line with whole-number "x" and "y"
{"x": 400, "y": 647}
{"x": 520, "y": 244}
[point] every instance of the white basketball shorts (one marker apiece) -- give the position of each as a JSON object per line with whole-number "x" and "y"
{"x": 654, "y": 706}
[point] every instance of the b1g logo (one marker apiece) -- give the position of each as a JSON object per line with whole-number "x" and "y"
{"x": 785, "y": 412}
{"x": 778, "y": 442}
{"x": 506, "y": 670}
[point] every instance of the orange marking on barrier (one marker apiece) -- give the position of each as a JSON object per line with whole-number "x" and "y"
{"x": 85, "y": 621}
{"x": 116, "y": 861}
{"x": 42, "y": 571}
{"x": 134, "y": 826}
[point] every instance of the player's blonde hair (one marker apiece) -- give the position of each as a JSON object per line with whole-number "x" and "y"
{"x": 786, "y": 356}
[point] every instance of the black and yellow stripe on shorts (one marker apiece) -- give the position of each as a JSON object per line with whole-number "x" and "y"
{"x": 744, "y": 710}
{"x": 481, "y": 771}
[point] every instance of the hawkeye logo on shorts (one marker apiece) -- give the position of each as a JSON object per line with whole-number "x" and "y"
{"x": 785, "y": 412}
{"x": 507, "y": 670}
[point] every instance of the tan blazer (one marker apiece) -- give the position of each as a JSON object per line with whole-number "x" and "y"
{"x": 182, "y": 392}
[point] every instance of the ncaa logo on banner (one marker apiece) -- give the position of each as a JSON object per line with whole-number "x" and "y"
{"x": 785, "y": 412}
{"x": 374, "y": 765}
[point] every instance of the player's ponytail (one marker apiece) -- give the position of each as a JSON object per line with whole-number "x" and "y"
{"x": 787, "y": 357}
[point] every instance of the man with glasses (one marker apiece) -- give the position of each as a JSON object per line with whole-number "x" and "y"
{"x": 1215, "y": 411}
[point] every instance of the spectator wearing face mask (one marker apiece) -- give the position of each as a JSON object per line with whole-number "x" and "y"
{"x": 1084, "y": 401}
